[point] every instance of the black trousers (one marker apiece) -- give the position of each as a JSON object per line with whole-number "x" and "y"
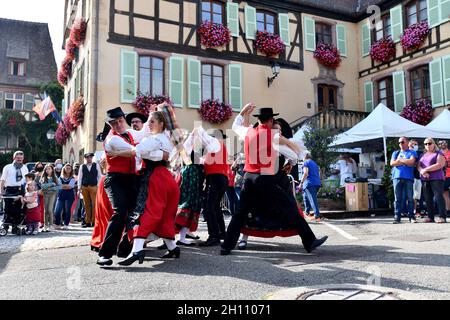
{"x": 216, "y": 185}
{"x": 434, "y": 190}
{"x": 259, "y": 191}
{"x": 122, "y": 191}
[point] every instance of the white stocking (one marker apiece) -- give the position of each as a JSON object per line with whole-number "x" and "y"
{"x": 170, "y": 244}
{"x": 183, "y": 232}
{"x": 138, "y": 245}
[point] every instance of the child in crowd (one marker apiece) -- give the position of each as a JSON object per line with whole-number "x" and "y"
{"x": 33, "y": 214}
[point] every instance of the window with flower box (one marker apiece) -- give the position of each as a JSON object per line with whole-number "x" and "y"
{"x": 416, "y": 11}
{"x": 265, "y": 21}
{"x": 420, "y": 83}
{"x": 212, "y": 82}
{"x": 213, "y": 11}
{"x": 382, "y": 28}
{"x": 386, "y": 92}
{"x": 323, "y": 33}
{"x": 151, "y": 75}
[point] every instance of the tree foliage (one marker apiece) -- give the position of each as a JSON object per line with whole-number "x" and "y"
{"x": 317, "y": 142}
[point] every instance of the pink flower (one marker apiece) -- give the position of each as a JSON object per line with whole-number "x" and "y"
{"x": 61, "y": 134}
{"x": 420, "y": 112}
{"x": 213, "y": 34}
{"x": 144, "y": 102}
{"x": 413, "y": 36}
{"x": 383, "y": 50}
{"x": 328, "y": 55}
{"x": 214, "y": 111}
{"x": 78, "y": 32}
{"x": 268, "y": 43}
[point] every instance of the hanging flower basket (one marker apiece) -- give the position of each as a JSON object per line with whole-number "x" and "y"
{"x": 383, "y": 50}
{"x": 61, "y": 135}
{"x": 78, "y": 32}
{"x": 144, "y": 103}
{"x": 68, "y": 123}
{"x": 11, "y": 121}
{"x": 213, "y": 35}
{"x": 214, "y": 111}
{"x": 414, "y": 36}
{"x": 62, "y": 79}
{"x": 328, "y": 55}
{"x": 66, "y": 67}
{"x": 71, "y": 49}
{"x": 420, "y": 112}
{"x": 269, "y": 43}
{"x": 76, "y": 112}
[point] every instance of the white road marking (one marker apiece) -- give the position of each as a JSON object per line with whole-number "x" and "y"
{"x": 340, "y": 231}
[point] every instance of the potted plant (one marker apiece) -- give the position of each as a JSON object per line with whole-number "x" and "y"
{"x": 145, "y": 103}
{"x": 420, "y": 112}
{"x": 78, "y": 32}
{"x": 328, "y": 55}
{"x": 414, "y": 36}
{"x": 214, "y": 111}
{"x": 383, "y": 50}
{"x": 213, "y": 35}
{"x": 269, "y": 43}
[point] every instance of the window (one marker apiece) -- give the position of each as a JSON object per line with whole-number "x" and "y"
{"x": 327, "y": 96}
{"x": 265, "y": 21}
{"x": 386, "y": 92}
{"x": 212, "y": 82}
{"x": 8, "y": 142}
{"x": 382, "y": 28}
{"x": 212, "y": 11}
{"x": 416, "y": 11}
{"x": 323, "y": 33}
{"x": 17, "y": 68}
{"x": 14, "y": 101}
{"x": 420, "y": 83}
{"x": 151, "y": 75}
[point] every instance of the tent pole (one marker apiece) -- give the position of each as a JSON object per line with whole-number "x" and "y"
{"x": 385, "y": 150}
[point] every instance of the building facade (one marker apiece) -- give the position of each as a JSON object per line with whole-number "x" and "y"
{"x": 27, "y": 62}
{"x": 152, "y": 46}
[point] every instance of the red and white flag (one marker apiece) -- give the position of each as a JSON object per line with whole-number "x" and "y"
{"x": 44, "y": 108}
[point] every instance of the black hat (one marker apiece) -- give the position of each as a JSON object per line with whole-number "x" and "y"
{"x": 132, "y": 115}
{"x": 102, "y": 135}
{"x": 265, "y": 112}
{"x": 114, "y": 114}
{"x": 216, "y": 132}
{"x": 89, "y": 154}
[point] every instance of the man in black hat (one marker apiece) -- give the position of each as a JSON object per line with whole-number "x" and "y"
{"x": 89, "y": 175}
{"x": 121, "y": 182}
{"x": 136, "y": 120}
{"x": 260, "y": 182}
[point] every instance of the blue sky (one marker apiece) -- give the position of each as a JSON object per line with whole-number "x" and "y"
{"x": 47, "y": 11}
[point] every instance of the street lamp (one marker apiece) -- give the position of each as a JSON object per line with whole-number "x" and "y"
{"x": 50, "y": 134}
{"x": 275, "y": 73}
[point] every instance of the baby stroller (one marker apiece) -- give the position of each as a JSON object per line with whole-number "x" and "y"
{"x": 12, "y": 215}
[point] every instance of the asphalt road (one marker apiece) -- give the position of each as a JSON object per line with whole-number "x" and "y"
{"x": 59, "y": 265}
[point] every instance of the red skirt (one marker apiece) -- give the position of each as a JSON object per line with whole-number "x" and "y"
{"x": 187, "y": 218}
{"x": 41, "y": 209}
{"x": 161, "y": 206}
{"x": 103, "y": 212}
{"x": 33, "y": 215}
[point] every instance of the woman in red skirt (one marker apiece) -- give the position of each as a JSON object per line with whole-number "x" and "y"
{"x": 103, "y": 212}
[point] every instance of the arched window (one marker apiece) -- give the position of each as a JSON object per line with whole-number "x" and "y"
{"x": 265, "y": 21}
{"x": 151, "y": 75}
{"x": 212, "y": 11}
{"x": 420, "y": 83}
{"x": 212, "y": 82}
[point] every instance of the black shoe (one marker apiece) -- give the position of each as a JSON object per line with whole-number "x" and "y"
{"x": 188, "y": 236}
{"x": 210, "y": 242}
{"x": 222, "y": 236}
{"x": 95, "y": 249}
{"x": 84, "y": 225}
{"x": 316, "y": 243}
{"x": 102, "y": 261}
{"x": 179, "y": 243}
{"x": 162, "y": 247}
{"x": 132, "y": 258}
{"x": 224, "y": 252}
{"x": 172, "y": 253}
{"x": 121, "y": 254}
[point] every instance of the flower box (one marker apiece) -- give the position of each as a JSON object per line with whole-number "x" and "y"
{"x": 213, "y": 35}
{"x": 269, "y": 43}
{"x": 420, "y": 112}
{"x": 328, "y": 55}
{"x": 214, "y": 111}
{"x": 78, "y": 32}
{"x": 147, "y": 103}
{"x": 414, "y": 36}
{"x": 383, "y": 50}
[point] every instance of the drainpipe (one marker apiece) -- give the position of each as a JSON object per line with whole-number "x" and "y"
{"x": 94, "y": 78}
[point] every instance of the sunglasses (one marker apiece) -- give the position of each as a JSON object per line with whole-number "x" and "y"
{"x": 401, "y": 142}
{"x": 428, "y": 143}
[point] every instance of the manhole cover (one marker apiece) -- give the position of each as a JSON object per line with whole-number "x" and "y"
{"x": 347, "y": 294}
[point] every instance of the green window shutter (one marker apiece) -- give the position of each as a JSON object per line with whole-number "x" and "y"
{"x": 235, "y": 86}
{"x": 437, "y": 92}
{"x": 250, "y": 22}
{"x": 176, "y": 76}
{"x": 29, "y": 102}
{"x": 445, "y": 11}
{"x": 365, "y": 42}
{"x": 368, "y": 96}
{"x": 445, "y": 78}
{"x": 310, "y": 34}
{"x": 128, "y": 76}
{"x": 433, "y": 12}
{"x": 396, "y": 23}
{"x": 283, "y": 21}
{"x": 2, "y": 100}
{"x": 233, "y": 18}
{"x": 399, "y": 90}
{"x": 194, "y": 76}
{"x": 341, "y": 36}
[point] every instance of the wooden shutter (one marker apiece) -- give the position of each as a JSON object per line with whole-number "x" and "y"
{"x": 368, "y": 96}
{"x": 341, "y": 37}
{"x": 176, "y": 77}
{"x": 437, "y": 92}
{"x": 445, "y": 11}
{"x": 365, "y": 39}
{"x": 2, "y": 100}
{"x": 250, "y": 22}
{"x": 233, "y": 18}
{"x": 445, "y": 78}
{"x": 235, "y": 86}
{"x": 283, "y": 22}
{"x": 194, "y": 78}
{"x": 310, "y": 34}
{"x": 398, "y": 79}
{"x": 128, "y": 76}
{"x": 396, "y": 23}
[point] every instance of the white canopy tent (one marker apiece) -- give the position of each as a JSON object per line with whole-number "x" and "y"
{"x": 382, "y": 123}
{"x": 440, "y": 126}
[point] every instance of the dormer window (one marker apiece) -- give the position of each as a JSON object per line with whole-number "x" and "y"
{"x": 17, "y": 68}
